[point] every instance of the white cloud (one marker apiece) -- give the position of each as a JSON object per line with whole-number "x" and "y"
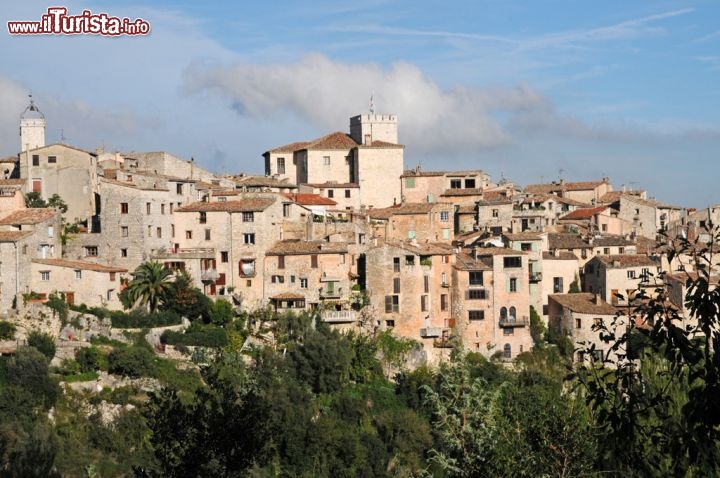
{"x": 327, "y": 93}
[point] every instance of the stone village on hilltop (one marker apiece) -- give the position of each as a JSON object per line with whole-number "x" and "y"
{"x": 339, "y": 226}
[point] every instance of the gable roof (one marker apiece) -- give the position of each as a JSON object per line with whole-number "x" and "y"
{"x": 622, "y": 261}
{"x": 306, "y": 199}
{"x": 291, "y": 247}
{"x": 584, "y": 214}
{"x": 562, "y": 186}
{"x": 566, "y": 241}
{"x": 336, "y": 140}
{"x": 242, "y": 205}
{"x": 28, "y": 216}
{"x": 583, "y": 303}
{"x": 13, "y": 236}
{"x": 290, "y": 148}
{"x": 89, "y": 266}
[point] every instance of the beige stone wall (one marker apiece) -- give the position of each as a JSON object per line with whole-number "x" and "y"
{"x": 379, "y": 173}
{"x": 567, "y": 270}
{"x": 488, "y": 218}
{"x": 73, "y": 177}
{"x": 641, "y": 218}
{"x": 338, "y": 169}
{"x": 422, "y": 188}
{"x": 94, "y": 289}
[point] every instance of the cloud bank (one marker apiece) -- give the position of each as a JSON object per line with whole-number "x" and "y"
{"x": 327, "y": 93}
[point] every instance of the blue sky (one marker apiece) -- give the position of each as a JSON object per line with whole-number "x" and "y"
{"x": 528, "y": 89}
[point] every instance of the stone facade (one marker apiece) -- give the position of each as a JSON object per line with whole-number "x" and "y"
{"x": 611, "y": 276}
{"x": 422, "y": 222}
{"x": 78, "y": 282}
{"x": 66, "y": 171}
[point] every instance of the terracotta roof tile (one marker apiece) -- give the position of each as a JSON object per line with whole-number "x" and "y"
{"x": 292, "y": 247}
{"x": 407, "y": 209}
{"x": 557, "y": 187}
{"x": 12, "y": 182}
{"x": 13, "y": 236}
{"x": 611, "y": 240}
{"x": 382, "y": 145}
{"x": 243, "y": 205}
{"x": 582, "y": 214}
{"x": 466, "y": 262}
{"x": 29, "y": 216}
{"x": 425, "y": 248}
{"x": 335, "y": 140}
{"x": 263, "y": 181}
{"x": 566, "y": 241}
{"x": 583, "y": 303}
{"x": 305, "y": 199}
{"x": 288, "y": 296}
{"x": 621, "y": 261}
{"x": 463, "y": 192}
{"x": 333, "y": 185}
{"x": 88, "y": 266}
{"x": 523, "y": 236}
{"x": 290, "y": 148}
{"x": 561, "y": 256}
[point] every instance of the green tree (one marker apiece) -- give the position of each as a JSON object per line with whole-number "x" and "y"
{"x": 34, "y": 200}
{"x": 133, "y": 361}
{"x": 656, "y": 399}
{"x": 220, "y": 312}
{"x": 149, "y": 287}
{"x": 56, "y": 202}
{"x": 45, "y": 343}
{"x": 7, "y": 330}
{"x": 537, "y": 327}
{"x": 186, "y": 299}
{"x": 575, "y": 286}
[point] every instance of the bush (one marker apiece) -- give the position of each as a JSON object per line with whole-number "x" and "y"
{"x": 7, "y": 330}
{"x": 197, "y": 335}
{"x": 91, "y": 359}
{"x": 131, "y": 362}
{"x": 141, "y": 319}
{"x": 81, "y": 377}
{"x": 45, "y": 343}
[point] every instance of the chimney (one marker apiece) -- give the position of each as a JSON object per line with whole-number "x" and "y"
{"x": 474, "y": 252}
{"x": 596, "y": 299}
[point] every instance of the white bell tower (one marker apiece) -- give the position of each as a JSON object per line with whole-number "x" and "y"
{"x": 32, "y": 128}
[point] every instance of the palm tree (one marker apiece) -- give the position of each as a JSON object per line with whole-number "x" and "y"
{"x": 150, "y": 284}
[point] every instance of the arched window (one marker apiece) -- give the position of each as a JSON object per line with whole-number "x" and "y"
{"x": 512, "y": 314}
{"x": 503, "y": 313}
{"x": 507, "y": 351}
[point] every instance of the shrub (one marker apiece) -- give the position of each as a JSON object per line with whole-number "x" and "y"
{"x": 131, "y": 361}
{"x": 45, "y": 343}
{"x": 141, "y": 319}
{"x": 197, "y": 335}
{"x": 7, "y": 330}
{"x": 90, "y": 359}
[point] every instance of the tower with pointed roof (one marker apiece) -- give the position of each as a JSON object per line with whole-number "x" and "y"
{"x": 32, "y": 128}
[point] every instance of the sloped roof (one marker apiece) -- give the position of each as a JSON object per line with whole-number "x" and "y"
{"x": 584, "y": 303}
{"x": 242, "y": 205}
{"x": 13, "y": 236}
{"x": 466, "y": 262}
{"x": 523, "y": 236}
{"x": 287, "y": 296}
{"x": 336, "y": 140}
{"x": 621, "y": 261}
{"x": 463, "y": 192}
{"x": 567, "y": 241}
{"x": 382, "y": 145}
{"x": 556, "y": 186}
{"x": 12, "y": 182}
{"x": 306, "y": 199}
{"x": 263, "y": 181}
{"x": 89, "y": 266}
{"x": 561, "y": 256}
{"x": 583, "y": 214}
{"x": 290, "y": 148}
{"x": 612, "y": 240}
{"x": 406, "y": 209}
{"x": 28, "y": 216}
{"x": 290, "y": 247}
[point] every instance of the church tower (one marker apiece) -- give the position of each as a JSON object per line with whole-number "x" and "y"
{"x": 32, "y": 128}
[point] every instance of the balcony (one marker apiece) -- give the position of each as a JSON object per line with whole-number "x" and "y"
{"x": 184, "y": 253}
{"x": 328, "y": 293}
{"x": 431, "y": 332}
{"x": 339, "y": 316}
{"x": 445, "y": 284}
{"x": 536, "y": 277}
{"x": 514, "y": 321}
{"x": 209, "y": 275}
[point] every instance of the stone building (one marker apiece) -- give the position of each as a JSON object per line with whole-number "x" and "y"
{"x": 492, "y": 284}
{"x": 66, "y": 171}
{"x": 587, "y": 192}
{"x": 616, "y": 278}
{"x": 369, "y": 159}
{"x": 495, "y": 213}
{"x": 409, "y": 289}
{"x": 310, "y": 275}
{"x": 25, "y": 234}
{"x": 429, "y": 186}
{"x": 560, "y": 269}
{"x": 78, "y": 282}
{"x": 574, "y": 315}
{"x": 413, "y": 221}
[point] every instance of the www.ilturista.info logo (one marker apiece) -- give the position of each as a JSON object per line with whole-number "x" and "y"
{"x": 57, "y": 22}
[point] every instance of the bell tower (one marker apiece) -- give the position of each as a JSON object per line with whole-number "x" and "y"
{"x": 32, "y": 127}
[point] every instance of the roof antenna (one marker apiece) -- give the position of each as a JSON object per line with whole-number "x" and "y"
{"x": 62, "y": 136}
{"x": 372, "y": 104}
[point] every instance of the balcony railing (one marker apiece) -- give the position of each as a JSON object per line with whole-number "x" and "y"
{"x": 535, "y": 276}
{"x": 185, "y": 253}
{"x": 330, "y": 293}
{"x": 514, "y": 321}
{"x": 210, "y": 275}
{"x": 428, "y": 332}
{"x": 339, "y": 316}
